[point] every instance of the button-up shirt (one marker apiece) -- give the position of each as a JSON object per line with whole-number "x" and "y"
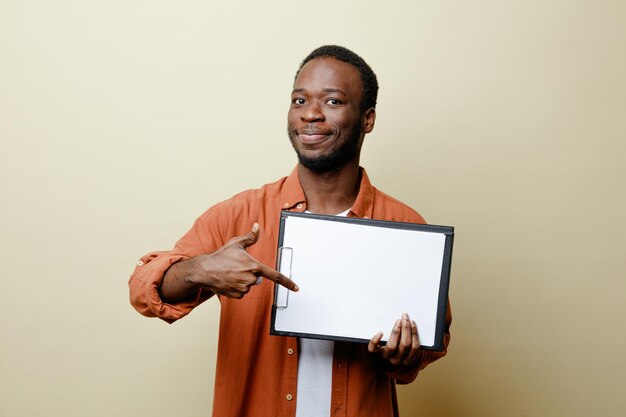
{"x": 256, "y": 374}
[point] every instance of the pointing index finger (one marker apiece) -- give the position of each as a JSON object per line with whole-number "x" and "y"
{"x": 278, "y": 278}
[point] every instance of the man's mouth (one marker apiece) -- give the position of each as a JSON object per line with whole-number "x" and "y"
{"x": 312, "y": 136}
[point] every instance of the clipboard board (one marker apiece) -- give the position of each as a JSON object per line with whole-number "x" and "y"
{"x": 357, "y": 276}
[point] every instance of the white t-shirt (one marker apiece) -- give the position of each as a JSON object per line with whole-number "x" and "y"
{"x": 315, "y": 374}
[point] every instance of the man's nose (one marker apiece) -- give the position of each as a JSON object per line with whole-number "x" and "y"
{"x": 312, "y": 113}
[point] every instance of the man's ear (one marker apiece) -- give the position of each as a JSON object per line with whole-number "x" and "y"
{"x": 369, "y": 118}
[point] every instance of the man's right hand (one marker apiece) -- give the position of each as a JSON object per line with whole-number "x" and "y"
{"x": 230, "y": 271}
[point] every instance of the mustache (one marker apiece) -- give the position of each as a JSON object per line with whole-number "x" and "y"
{"x": 312, "y": 130}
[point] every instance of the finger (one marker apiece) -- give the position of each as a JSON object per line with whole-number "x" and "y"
{"x": 405, "y": 337}
{"x": 415, "y": 345}
{"x": 240, "y": 288}
{"x": 244, "y": 287}
{"x": 415, "y": 335}
{"x": 277, "y": 277}
{"x": 392, "y": 343}
{"x": 373, "y": 345}
{"x": 233, "y": 294}
{"x": 249, "y": 239}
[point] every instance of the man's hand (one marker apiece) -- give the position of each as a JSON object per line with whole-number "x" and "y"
{"x": 230, "y": 271}
{"x": 403, "y": 344}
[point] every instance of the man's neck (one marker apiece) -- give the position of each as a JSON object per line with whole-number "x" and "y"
{"x": 330, "y": 192}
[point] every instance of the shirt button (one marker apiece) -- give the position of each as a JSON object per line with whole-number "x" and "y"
{"x": 289, "y": 397}
{"x": 290, "y": 351}
{"x": 140, "y": 263}
{"x": 299, "y": 205}
{"x": 286, "y": 204}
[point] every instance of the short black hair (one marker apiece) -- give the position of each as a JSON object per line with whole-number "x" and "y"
{"x": 368, "y": 78}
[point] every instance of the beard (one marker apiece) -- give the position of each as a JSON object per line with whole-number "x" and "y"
{"x": 334, "y": 160}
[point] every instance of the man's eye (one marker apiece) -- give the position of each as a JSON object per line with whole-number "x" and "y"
{"x": 333, "y": 101}
{"x": 298, "y": 101}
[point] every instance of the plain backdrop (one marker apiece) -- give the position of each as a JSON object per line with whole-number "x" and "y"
{"x": 122, "y": 121}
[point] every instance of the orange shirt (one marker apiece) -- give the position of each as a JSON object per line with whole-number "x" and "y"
{"x": 256, "y": 373}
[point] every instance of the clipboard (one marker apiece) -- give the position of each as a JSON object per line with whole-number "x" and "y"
{"x": 357, "y": 276}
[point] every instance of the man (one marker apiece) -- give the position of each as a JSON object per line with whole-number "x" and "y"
{"x": 230, "y": 248}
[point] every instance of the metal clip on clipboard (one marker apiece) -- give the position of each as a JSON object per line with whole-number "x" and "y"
{"x": 285, "y": 255}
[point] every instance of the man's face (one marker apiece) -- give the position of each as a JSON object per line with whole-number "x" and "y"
{"x": 324, "y": 123}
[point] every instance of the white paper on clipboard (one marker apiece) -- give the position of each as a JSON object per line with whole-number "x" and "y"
{"x": 357, "y": 279}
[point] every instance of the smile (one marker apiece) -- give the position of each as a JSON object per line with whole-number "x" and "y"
{"x": 312, "y": 137}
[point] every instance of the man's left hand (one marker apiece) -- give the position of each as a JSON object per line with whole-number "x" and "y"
{"x": 402, "y": 346}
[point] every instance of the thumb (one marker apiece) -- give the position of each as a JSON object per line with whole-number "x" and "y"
{"x": 373, "y": 345}
{"x": 251, "y": 238}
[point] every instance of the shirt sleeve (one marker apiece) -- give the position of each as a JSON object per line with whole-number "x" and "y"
{"x": 407, "y": 374}
{"x": 203, "y": 237}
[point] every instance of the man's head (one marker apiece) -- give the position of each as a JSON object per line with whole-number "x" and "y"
{"x": 332, "y": 108}
{"x": 369, "y": 82}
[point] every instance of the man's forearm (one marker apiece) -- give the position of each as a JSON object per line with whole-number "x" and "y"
{"x": 177, "y": 284}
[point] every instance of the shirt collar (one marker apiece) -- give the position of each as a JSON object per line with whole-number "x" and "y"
{"x": 363, "y": 207}
{"x": 293, "y": 196}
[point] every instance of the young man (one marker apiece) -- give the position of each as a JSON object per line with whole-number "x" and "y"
{"x": 230, "y": 247}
